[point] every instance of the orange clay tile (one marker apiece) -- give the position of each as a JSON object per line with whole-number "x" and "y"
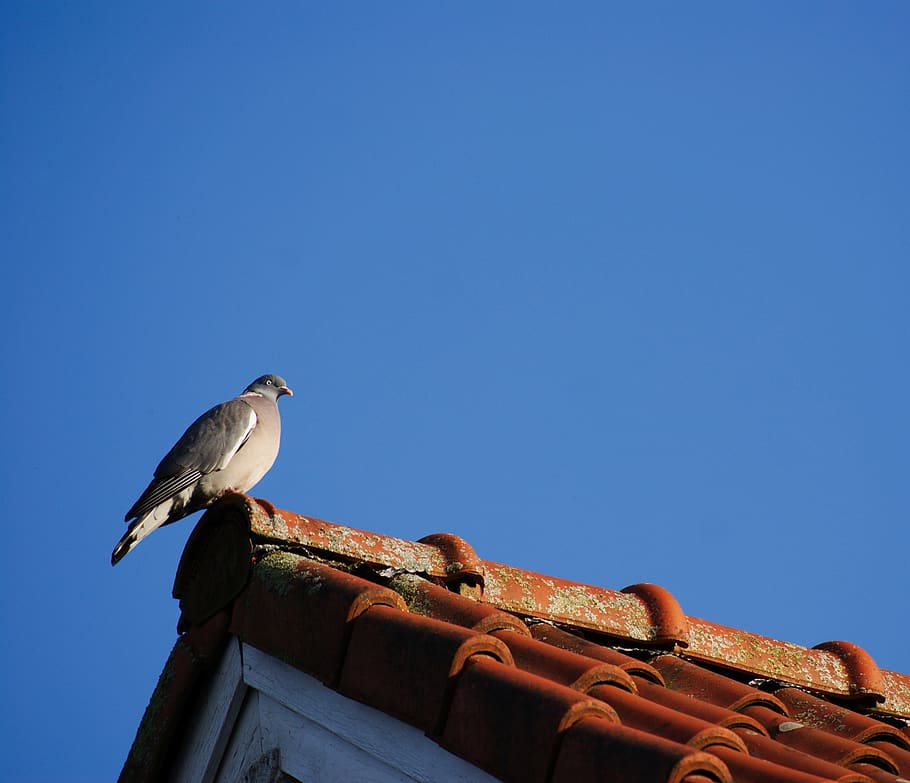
{"x": 575, "y": 671}
{"x": 573, "y": 643}
{"x": 492, "y": 701}
{"x": 712, "y": 687}
{"x": 710, "y": 713}
{"x": 432, "y": 600}
{"x": 592, "y": 746}
{"x": 767, "y": 750}
{"x": 746, "y": 768}
{"x": 815, "y": 742}
{"x": 645, "y": 715}
{"x": 301, "y": 611}
{"x": 876, "y": 774}
{"x": 529, "y": 677}
{"x": 814, "y": 711}
{"x": 642, "y": 614}
{"x": 407, "y": 665}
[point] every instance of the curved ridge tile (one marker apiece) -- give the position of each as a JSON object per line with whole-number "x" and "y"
{"x": 668, "y": 621}
{"x": 215, "y": 564}
{"x": 864, "y": 679}
{"x": 526, "y": 593}
{"x": 462, "y": 563}
{"x": 342, "y": 542}
{"x": 897, "y": 694}
{"x": 528, "y": 703}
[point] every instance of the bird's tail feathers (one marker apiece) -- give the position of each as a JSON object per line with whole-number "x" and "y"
{"x": 138, "y": 530}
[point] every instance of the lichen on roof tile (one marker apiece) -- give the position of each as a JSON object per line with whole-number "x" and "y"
{"x": 669, "y": 690}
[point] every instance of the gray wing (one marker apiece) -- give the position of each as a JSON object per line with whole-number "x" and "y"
{"x": 208, "y": 444}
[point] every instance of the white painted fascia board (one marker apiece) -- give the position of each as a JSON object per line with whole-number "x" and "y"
{"x": 213, "y": 721}
{"x": 249, "y": 745}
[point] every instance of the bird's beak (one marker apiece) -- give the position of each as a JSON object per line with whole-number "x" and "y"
{"x": 285, "y": 390}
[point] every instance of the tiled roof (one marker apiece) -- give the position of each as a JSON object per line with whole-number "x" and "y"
{"x": 529, "y": 677}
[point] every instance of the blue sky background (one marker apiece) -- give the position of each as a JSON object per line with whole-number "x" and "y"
{"x": 618, "y": 293}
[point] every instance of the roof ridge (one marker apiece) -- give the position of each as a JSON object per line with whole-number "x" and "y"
{"x": 526, "y": 676}
{"x": 644, "y": 615}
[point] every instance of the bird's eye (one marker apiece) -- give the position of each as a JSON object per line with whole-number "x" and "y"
{"x": 268, "y": 383}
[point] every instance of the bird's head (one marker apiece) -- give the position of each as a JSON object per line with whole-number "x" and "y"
{"x": 270, "y": 386}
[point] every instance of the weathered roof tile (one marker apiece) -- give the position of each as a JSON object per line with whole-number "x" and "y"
{"x": 529, "y": 677}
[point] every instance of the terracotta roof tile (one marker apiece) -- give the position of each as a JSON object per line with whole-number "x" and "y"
{"x": 639, "y": 713}
{"x": 407, "y": 665}
{"x": 838, "y": 720}
{"x": 877, "y": 774}
{"x": 302, "y": 611}
{"x": 711, "y": 686}
{"x": 752, "y": 768}
{"x": 818, "y": 743}
{"x": 578, "y": 672}
{"x": 567, "y": 641}
{"x": 529, "y": 677}
{"x": 592, "y": 746}
{"x": 680, "y": 702}
{"x": 492, "y": 702}
{"x": 431, "y": 600}
{"x": 766, "y": 749}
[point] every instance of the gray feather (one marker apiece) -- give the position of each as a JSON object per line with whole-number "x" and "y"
{"x": 209, "y": 442}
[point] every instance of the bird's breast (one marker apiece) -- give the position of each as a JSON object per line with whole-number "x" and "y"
{"x": 253, "y": 460}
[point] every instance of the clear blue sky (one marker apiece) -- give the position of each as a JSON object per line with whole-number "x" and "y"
{"x": 617, "y": 292}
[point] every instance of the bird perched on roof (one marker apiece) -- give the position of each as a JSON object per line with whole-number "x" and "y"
{"x": 227, "y": 449}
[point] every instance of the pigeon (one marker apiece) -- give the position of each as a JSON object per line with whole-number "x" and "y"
{"x": 227, "y": 449}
